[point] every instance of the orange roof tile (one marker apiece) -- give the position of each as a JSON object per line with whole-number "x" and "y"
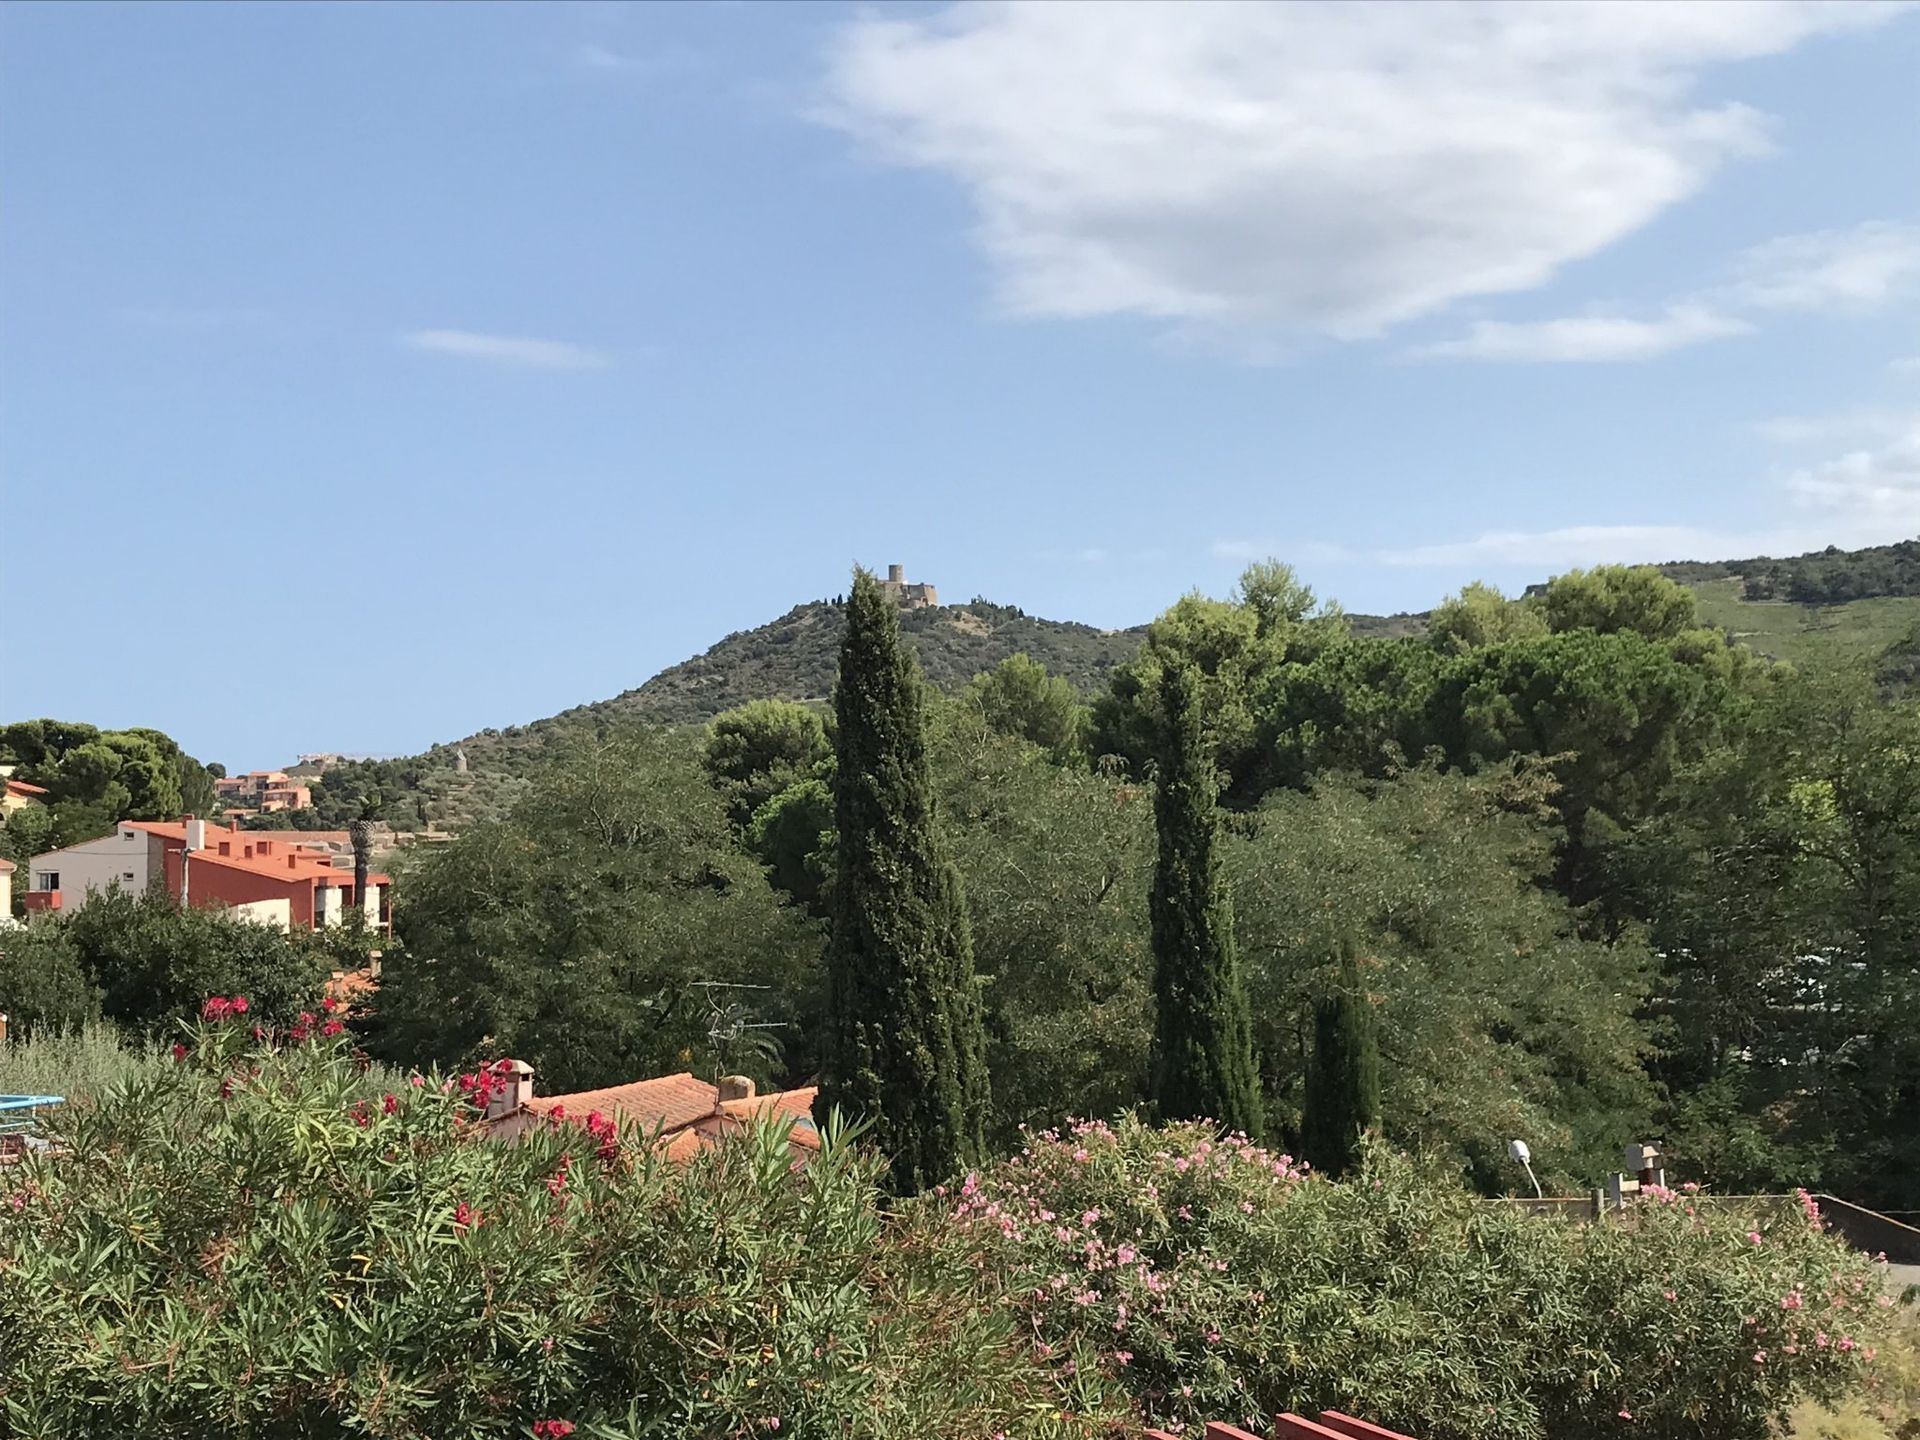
{"x": 685, "y": 1111}
{"x": 667, "y": 1103}
{"x": 273, "y": 854}
{"x": 21, "y": 787}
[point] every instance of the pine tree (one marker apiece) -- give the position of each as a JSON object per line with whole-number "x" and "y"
{"x": 1343, "y": 1076}
{"x": 1203, "y": 1062}
{"x": 905, "y": 1048}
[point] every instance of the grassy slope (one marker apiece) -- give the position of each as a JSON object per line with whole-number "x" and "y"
{"x": 1857, "y": 630}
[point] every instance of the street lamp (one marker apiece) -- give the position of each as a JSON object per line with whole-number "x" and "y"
{"x": 1518, "y": 1150}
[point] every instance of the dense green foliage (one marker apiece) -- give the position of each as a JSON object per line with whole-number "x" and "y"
{"x": 904, "y": 1046}
{"x": 265, "y": 1238}
{"x": 1203, "y": 1034}
{"x": 274, "y": 1244}
{"x": 1206, "y": 1279}
{"x": 1342, "y": 1102}
{"x": 94, "y": 779}
{"x": 144, "y": 963}
{"x": 574, "y": 933}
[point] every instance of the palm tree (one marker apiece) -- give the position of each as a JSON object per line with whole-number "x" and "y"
{"x": 360, "y": 834}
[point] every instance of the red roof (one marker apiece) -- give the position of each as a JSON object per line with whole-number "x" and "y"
{"x": 685, "y": 1111}
{"x": 7, "y": 867}
{"x": 663, "y": 1104}
{"x": 21, "y": 787}
{"x": 258, "y": 852}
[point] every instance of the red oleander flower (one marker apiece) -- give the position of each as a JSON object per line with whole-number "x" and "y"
{"x": 329, "y": 1004}
{"x": 179, "y": 1051}
{"x": 239, "y": 1005}
{"x": 464, "y": 1217}
{"x": 215, "y": 1008}
{"x": 503, "y": 1066}
{"x": 391, "y": 1104}
{"x": 332, "y": 1027}
{"x": 557, "y": 1429}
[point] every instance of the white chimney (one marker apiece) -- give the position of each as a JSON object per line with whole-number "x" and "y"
{"x": 196, "y": 833}
{"x": 733, "y": 1087}
{"x": 512, "y": 1089}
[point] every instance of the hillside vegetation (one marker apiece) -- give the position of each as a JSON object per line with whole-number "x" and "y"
{"x": 1873, "y": 612}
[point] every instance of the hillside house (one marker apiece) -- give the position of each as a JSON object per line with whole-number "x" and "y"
{"x": 264, "y": 878}
{"x": 264, "y": 791}
{"x": 19, "y": 794}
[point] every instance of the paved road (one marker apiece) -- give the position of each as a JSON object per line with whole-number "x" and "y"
{"x": 1901, "y": 1276}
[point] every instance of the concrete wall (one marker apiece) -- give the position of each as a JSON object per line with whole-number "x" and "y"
{"x": 123, "y": 860}
{"x": 276, "y": 913}
{"x": 209, "y": 883}
{"x": 6, "y": 896}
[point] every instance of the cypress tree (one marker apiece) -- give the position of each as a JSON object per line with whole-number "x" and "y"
{"x": 905, "y": 1046}
{"x": 1343, "y": 1076}
{"x": 1203, "y": 1033}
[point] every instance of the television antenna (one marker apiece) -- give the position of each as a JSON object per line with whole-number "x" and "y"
{"x": 728, "y": 1018}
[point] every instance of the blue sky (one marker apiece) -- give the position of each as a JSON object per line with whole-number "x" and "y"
{"x": 369, "y": 375}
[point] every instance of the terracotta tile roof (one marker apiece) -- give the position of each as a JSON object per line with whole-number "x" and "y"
{"x": 686, "y": 1111}
{"x": 272, "y": 852}
{"x": 668, "y": 1103}
{"x": 352, "y": 987}
{"x": 21, "y": 787}
{"x": 7, "y": 867}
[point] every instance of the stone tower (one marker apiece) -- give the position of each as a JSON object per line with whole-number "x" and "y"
{"x": 907, "y": 597}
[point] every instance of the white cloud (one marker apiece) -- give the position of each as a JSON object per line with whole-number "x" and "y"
{"x": 1855, "y": 269}
{"x": 507, "y": 349}
{"x": 1878, "y": 486}
{"x": 1867, "y": 496}
{"x": 1858, "y": 269}
{"x": 1588, "y": 337}
{"x": 1588, "y": 545}
{"x": 1857, "y": 425}
{"x": 1306, "y": 167}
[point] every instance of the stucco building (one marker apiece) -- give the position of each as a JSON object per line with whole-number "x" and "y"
{"x": 265, "y": 878}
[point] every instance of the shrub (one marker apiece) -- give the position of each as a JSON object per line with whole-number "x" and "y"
{"x": 43, "y": 983}
{"x": 154, "y": 961}
{"x": 76, "y": 1064}
{"x": 262, "y": 1241}
{"x": 1209, "y": 1278}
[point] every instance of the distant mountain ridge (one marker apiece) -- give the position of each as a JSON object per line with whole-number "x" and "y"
{"x": 1876, "y": 612}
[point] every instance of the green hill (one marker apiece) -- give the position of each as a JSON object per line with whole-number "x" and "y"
{"x": 1843, "y": 604}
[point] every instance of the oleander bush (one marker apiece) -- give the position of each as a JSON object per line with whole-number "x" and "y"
{"x": 264, "y": 1241}
{"x": 1210, "y": 1278}
{"x": 256, "y": 1234}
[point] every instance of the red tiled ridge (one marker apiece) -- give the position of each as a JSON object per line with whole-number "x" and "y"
{"x": 684, "y": 1112}
{"x": 666, "y": 1103}
{"x": 1332, "y": 1425}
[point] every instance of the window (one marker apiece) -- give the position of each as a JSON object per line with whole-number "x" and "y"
{"x": 49, "y": 879}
